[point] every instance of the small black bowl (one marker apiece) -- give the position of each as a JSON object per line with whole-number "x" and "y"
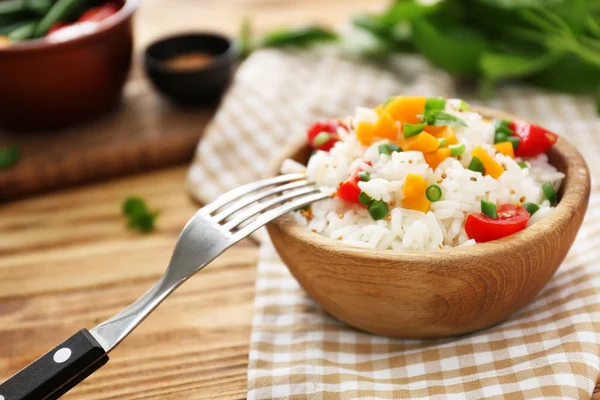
{"x": 192, "y": 86}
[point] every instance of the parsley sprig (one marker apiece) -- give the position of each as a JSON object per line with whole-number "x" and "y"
{"x": 138, "y": 216}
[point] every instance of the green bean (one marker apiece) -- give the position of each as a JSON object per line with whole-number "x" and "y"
{"x": 59, "y": 11}
{"x": 23, "y": 32}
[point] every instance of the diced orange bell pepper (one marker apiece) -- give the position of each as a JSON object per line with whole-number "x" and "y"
{"x": 423, "y": 142}
{"x": 406, "y": 109}
{"x": 435, "y": 130}
{"x": 365, "y": 132}
{"x": 386, "y": 127}
{"x": 379, "y": 109}
{"x": 505, "y": 148}
{"x": 414, "y": 186}
{"x": 445, "y": 133}
{"x": 434, "y": 159}
{"x": 420, "y": 203}
{"x": 492, "y": 167}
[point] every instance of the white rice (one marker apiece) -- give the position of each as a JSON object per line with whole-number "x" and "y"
{"x": 462, "y": 189}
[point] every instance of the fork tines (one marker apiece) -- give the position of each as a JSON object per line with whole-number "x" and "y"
{"x": 247, "y": 208}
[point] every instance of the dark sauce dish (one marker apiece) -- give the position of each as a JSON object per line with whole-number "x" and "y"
{"x": 202, "y": 73}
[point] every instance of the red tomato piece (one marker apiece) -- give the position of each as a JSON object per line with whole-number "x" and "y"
{"x": 56, "y": 27}
{"x": 511, "y": 219}
{"x": 99, "y": 13}
{"x": 535, "y": 140}
{"x": 330, "y": 136}
{"x": 349, "y": 189}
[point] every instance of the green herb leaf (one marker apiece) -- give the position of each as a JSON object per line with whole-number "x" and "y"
{"x": 412, "y": 129}
{"x": 138, "y": 217}
{"x": 434, "y": 104}
{"x": 439, "y": 118}
{"x": 454, "y": 48}
{"x": 9, "y": 156}
{"x": 299, "y": 37}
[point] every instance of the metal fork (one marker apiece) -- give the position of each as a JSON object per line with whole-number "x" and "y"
{"x": 212, "y": 230}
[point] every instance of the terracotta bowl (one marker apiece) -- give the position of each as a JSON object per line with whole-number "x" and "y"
{"x": 50, "y": 84}
{"x": 417, "y": 294}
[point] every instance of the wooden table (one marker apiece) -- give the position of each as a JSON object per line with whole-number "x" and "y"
{"x": 67, "y": 262}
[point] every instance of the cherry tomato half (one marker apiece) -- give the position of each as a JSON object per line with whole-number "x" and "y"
{"x": 97, "y": 14}
{"x": 535, "y": 140}
{"x": 325, "y": 133}
{"x": 511, "y": 219}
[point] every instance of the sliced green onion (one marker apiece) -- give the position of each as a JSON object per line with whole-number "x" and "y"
{"x": 464, "y": 106}
{"x": 476, "y": 165}
{"x": 384, "y": 148}
{"x": 457, "y": 149}
{"x": 500, "y": 137}
{"x": 515, "y": 140}
{"x": 505, "y": 130}
{"x": 440, "y": 117}
{"x": 531, "y": 208}
{"x": 442, "y": 142}
{"x": 395, "y": 148}
{"x": 500, "y": 123}
{"x": 488, "y": 208}
{"x": 412, "y": 129}
{"x": 364, "y": 176}
{"x": 389, "y": 100}
{"x": 434, "y": 103}
{"x": 378, "y": 209}
{"x": 433, "y": 193}
{"x": 549, "y": 192}
{"x": 522, "y": 164}
{"x": 364, "y": 199}
{"x": 321, "y": 138}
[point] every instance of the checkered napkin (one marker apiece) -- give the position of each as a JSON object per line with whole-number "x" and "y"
{"x": 548, "y": 350}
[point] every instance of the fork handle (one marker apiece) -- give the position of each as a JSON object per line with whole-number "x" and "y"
{"x": 57, "y": 371}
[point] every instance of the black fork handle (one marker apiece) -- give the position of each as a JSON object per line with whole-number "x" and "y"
{"x": 58, "y": 371}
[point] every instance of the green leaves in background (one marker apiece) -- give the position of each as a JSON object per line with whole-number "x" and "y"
{"x": 138, "y": 216}
{"x": 551, "y": 43}
{"x": 9, "y": 156}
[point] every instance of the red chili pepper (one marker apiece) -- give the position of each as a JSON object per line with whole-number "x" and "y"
{"x": 511, "y": 219}
{"x": 535, "y": 140}
{"x": 99, "y": 13}
{"x": 325, "y": 133}
{"x": 56, "y": 27}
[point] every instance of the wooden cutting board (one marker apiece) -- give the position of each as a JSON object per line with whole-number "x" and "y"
{"x": 144, "y": 132}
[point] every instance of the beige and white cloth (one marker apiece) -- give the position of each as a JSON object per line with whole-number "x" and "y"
{"x": 548, "y": 350}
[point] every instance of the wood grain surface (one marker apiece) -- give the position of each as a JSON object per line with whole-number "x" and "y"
{"x": 67, "y": 262}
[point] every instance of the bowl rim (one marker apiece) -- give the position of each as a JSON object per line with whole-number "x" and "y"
{"x": 106, "y": 24}
{"x": 222, "y": 59}
{"x": 575, "y": 195}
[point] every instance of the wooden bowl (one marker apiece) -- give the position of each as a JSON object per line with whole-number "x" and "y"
{"x": 51, "y": 84}
{"x": 419, "y": 294}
